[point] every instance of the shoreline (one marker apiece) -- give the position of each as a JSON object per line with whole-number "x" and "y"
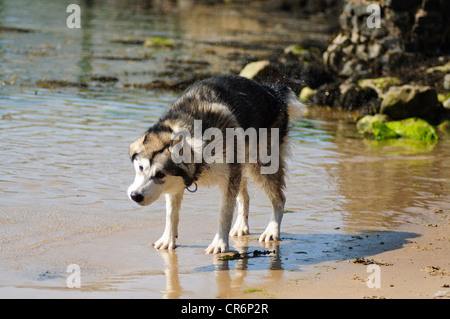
{"x": 420, "y": 269}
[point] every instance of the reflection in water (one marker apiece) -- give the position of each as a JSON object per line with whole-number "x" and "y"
{"x": 382, "y": 180}
{"x": 230, "y": 274}
{"x": 173, "y": 286}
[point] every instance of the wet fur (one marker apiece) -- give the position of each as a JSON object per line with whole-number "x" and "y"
{"x": 220, "y": 102}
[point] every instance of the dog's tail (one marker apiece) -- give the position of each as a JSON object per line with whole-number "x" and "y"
{"x": 295, "y": 108}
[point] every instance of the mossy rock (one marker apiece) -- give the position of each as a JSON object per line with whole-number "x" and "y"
{"x": 158, "y": 42}
{"x": 377, "y": 127}
{"x": 414, "y": 128}
{"x": 442, "y": 97}
{"x": 379, "y": 84}
{"x": 252, "y": 69}
{"x": 296, "y": 50}
{"x": 440, "y": 68}
{"x": 306, "y": 93}
{"x": 374, "y": 126}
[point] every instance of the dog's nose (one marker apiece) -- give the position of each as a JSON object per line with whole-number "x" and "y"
{"x": 137, "y": 197}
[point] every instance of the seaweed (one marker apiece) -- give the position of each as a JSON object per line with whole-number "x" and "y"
{"x": 247, "y": 255}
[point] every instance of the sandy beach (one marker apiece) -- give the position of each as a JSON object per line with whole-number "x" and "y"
{"x": 420, "y": 269}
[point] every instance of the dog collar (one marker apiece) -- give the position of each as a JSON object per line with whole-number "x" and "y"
{"x": 193, "y": 191}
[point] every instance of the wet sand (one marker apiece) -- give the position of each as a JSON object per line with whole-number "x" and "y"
{"x": 420, "y": 269}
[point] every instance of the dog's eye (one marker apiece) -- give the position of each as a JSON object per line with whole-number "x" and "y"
{"x": 141, "y": 168}
{"x": 160, "y": 175}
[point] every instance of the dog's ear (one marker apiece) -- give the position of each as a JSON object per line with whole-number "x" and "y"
{"x": 137, "y": 146}
{"x": 180, "y": 143}
{"x": 174, "y": 143}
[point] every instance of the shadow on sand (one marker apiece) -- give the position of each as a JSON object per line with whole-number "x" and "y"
{"x": 291, "y": 254}
{"x": 297, "y": 250}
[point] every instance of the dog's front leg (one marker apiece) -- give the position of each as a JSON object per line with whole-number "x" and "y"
{"x": 220, "y": 242}
{"x": 168, "y": 239}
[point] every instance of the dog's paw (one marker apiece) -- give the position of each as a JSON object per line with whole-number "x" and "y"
{"x": 272, "y": 233}
{"x": 217, "y": 246}
{"x": 240, "y": 227}
{"x": 165, "y": 242}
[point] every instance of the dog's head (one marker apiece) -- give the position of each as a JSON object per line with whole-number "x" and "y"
{"x": 156, "y": 172}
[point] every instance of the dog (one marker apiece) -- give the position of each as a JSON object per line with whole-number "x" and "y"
{"x": 221, "y": 104}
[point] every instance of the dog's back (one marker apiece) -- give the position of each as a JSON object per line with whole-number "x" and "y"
{"x": 250, "y": 104}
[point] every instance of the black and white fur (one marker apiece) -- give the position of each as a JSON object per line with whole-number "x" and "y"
{"x": 220, "y": 102}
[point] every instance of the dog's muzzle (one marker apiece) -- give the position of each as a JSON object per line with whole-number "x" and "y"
{"x": 137, "y": 197}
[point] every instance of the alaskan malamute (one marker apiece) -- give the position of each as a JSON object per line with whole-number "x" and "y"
{"x": 220, "y": 131}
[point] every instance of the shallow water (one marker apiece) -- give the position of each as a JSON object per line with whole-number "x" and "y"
{"x": 65, "y": 169}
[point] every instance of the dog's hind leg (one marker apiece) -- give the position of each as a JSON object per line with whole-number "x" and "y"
{"x": 168, "y": 239}
{"x": 273, "y": 186}
{"x": 229, "y": 192}
{"x": 240, "y": 227}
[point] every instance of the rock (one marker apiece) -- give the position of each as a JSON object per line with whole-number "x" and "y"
{"x": 261, "y": 71}
{"x": 402, "y": 4}
{"x": 376, "y": 126}
{"x": 252, "y": 69}
{"x": 446, "y": 104}
{"x": 275, "y": 72}
{"x": 327, "y": 95}
{"x": 446, "y": 83}
{"x": 374, "y": 51}
{"x": 306, "y": 93}
{"x": 379, "y": 84}
{"x": 392, "y": 44}
{"x": 313, "y": 76}
{"x": 401, "y": 102}
{"x": 433, "y": 5}
{"x": 443, "y": 97}
{"x": 52, "y": 84}
{"x": 416, "y": 27}
{"x": 414, "y": 128}
{"x": 159, "y": 43}
{"x": 15, "y": 29}
{"x": 353, "y": 68}
{"x": 444, "y": 127}
{"x": 349, "y": 50}
{"x": 440, "y": 68}
{"x": 354, "y": 97}
{"x": 396, "y": 62}
{"x": 341, "y": 39}
{"x": 361, "y": 52}
{"x": 296, "y": 50}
